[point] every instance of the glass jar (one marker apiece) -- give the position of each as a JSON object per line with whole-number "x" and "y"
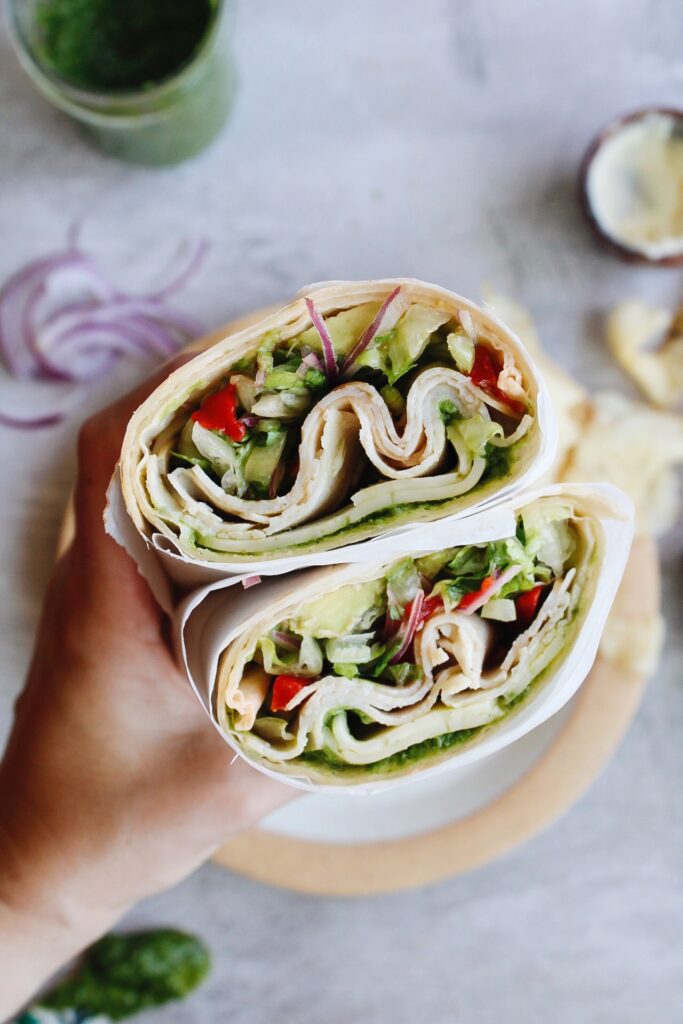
{"x": 156, "y": 125}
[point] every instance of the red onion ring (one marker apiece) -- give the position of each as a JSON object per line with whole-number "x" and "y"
{"x": 321, "y": 327}
{"x": 250, "y": 581}
{"x": 50, "y": 419}
{"x": 313, "y": 362}
{"x": 79, "y": 339}
{"x": 370, "y": 332}
{"x": 184, "y": 275}
{"x": 411, "y": 626}
{"x": 285, "y": 640}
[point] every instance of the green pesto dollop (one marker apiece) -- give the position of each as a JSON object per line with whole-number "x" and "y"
{"x": 111, "y": 45}
{"x": 124, "y": 974}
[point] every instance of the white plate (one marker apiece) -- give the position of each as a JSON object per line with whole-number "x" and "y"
{"x": 418, "y": 807}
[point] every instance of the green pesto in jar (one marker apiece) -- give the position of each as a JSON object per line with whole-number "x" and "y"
{"x": 121, "y": 45}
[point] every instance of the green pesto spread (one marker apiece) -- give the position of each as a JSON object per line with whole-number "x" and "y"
{"x": 400, "y": 759}
{"x": 116, "y": 45}
{"x": 500, "y": 463}
{"x": 124, "y": 974}
{"x": 428, "y": 748}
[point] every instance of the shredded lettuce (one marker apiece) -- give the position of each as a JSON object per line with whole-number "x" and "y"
{"x": 282, "y": 379}
{"x": 406, "y": 343}
{"x": 390, "y": 649}
{"x": 404, "y": 673}
{"x": 430, "y": 565}
{"x": 273, "y": 729}
{"x": 193, "y": 460}
{"x": 264, "y": 355}
{"x": 362, "y": 647}
{"x": 475, "y": 433}
{"x": 283, "y": 404}
{"x": 352, "y": 649}
{"x": 461, "y": 348}
{"x": 403, "y": 583}
{"x": 308, "y": 661}
{"x": 548, "y": 534}
{"x": 227, "y": 459}
{"x": 472, "y": 563}
{"x": 500, "y": 609}
{"x": 348, "y": 670}
{"x": 396, "y": 352}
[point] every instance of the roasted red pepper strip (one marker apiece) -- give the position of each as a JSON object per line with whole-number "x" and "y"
{"x": 429, "y": 606}
{"x": 285, "y": 688}
{"x": 484, "y": 375}
{"x": 469, "y": 599}
{"x": 219, "y": 412}
{"x": 527, "y": 605}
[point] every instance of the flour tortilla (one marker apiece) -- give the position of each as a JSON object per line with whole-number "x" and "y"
{"x": 308, "y": 521}
{"x": 558, "y": 648}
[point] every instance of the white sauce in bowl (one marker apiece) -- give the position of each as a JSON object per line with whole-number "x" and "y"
{"x": 635, "y": 185}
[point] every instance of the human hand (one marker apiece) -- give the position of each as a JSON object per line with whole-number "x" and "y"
{"x": 114, "y": 784}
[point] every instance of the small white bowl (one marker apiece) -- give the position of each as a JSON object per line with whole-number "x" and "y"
{"x": 631, "y": 181}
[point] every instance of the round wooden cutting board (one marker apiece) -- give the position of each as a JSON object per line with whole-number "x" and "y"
{"x": 400, "y": 857}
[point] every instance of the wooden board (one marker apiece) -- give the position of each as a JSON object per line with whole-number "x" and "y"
{"x": 600, "y": 716}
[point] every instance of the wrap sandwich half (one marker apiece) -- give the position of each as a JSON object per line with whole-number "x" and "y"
{"x": 363, "y": 674}
{"x": 358, "y": 408}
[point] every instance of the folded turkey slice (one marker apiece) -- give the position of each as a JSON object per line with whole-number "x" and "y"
{"x": 479, "y": 684}
{"x": 361, "y": 470}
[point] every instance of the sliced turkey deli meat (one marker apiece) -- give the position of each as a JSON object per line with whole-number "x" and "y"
{"x": 379, "y": 671}
{"x": 358, "y": 408}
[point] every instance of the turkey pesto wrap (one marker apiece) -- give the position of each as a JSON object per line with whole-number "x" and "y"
{"x": 365, "y": 674}
{"x": 356, "y": 409}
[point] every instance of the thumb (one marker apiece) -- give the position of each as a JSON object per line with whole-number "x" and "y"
{"x": 99, "y": 448}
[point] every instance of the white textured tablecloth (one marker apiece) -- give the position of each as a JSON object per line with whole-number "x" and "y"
{"x": 439, "y": 140}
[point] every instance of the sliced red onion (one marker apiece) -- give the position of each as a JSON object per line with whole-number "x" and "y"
{"x": 370, "y": 332}
{"x": 18, "y": 297}
{"x": 49, "y": 419}
{"x": 312, "y": 361}
{"x": 73, "y": 334}
{"x": 321, "y": 327}
{"x": 250, "y": 581}
{"x": 411, "y": 626}
{"x": 309, "y": 362}
{"x": 292, "y": 643}
{"x": 250, "y": 421}
{"x": 189, "y": 270}
{"x": 160, "y": 313}
{"x": 495, "y": 588}
{"x": 390, "y": 627}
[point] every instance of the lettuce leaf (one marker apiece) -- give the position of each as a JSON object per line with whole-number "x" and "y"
{"x": 461, "y": 348}
{"x": 548, "y": 535}
{"x": 403, "y": 583}
{"x": 308, "y": 661}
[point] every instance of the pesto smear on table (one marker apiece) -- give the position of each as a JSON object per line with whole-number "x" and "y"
{"x": 124, "y": 974}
